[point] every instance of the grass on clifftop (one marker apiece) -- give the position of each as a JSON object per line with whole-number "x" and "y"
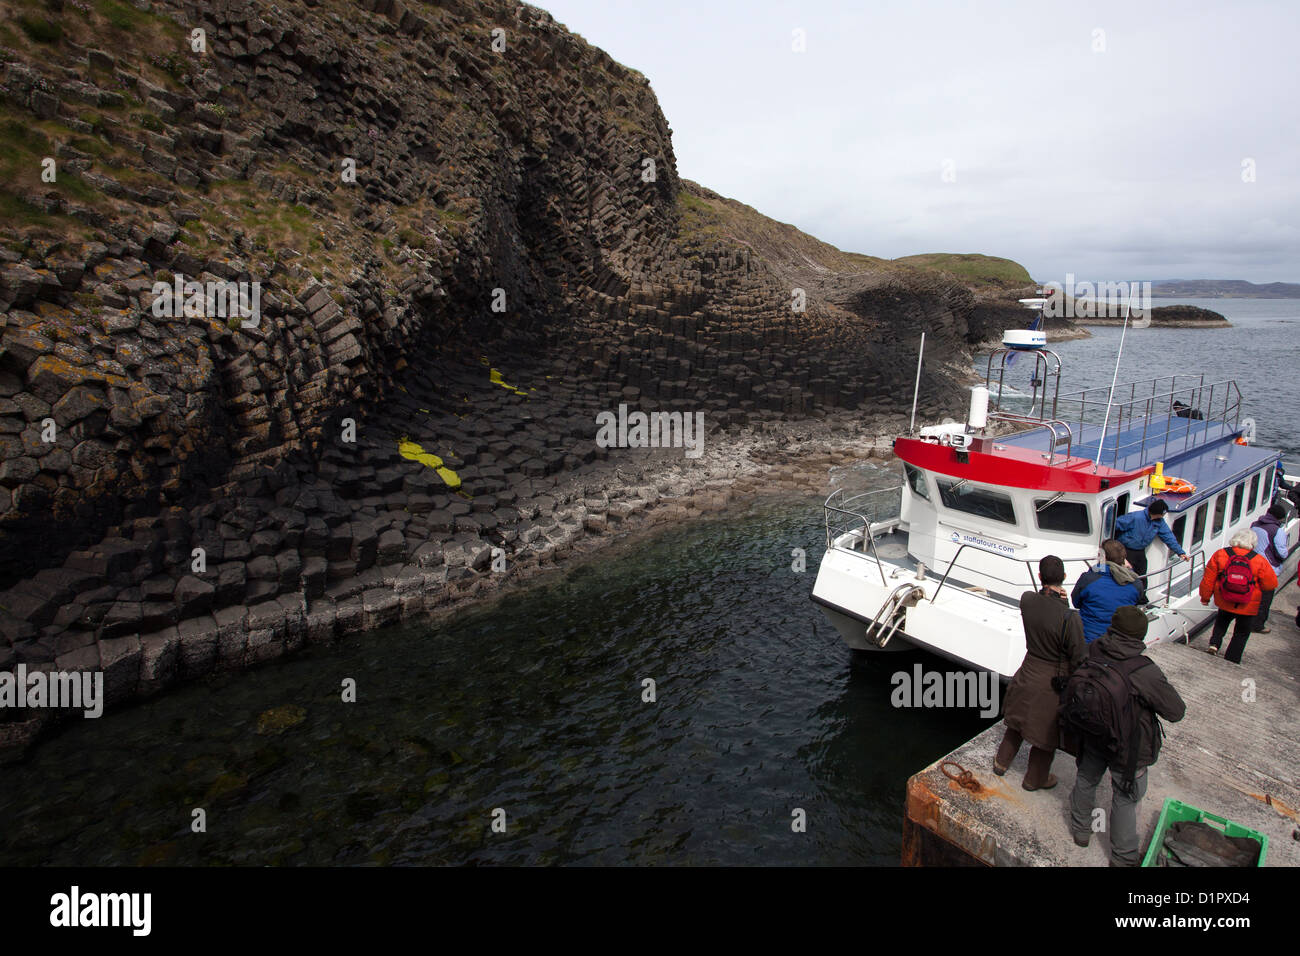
{"x": 711, "y": 218}
{"x": 972, "y": 267}
{"x": 706, "y": 219}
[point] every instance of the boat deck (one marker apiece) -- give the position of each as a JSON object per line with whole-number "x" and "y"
{"x": 1138, "y": 443}
{"x": 1238, "y": 759}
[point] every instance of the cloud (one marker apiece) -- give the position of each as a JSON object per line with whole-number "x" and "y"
{"x": 1121, "y": 162}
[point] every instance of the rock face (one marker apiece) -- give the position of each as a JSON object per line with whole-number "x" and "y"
{"x": 463, "y": 230}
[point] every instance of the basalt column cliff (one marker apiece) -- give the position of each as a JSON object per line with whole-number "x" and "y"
{"x": 465, "y": 236}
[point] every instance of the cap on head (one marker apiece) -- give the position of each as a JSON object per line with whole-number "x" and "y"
{"x": 1157, "y": 508}
{"x": 1129, "y": 621}
{"x": 1278, "y": 510}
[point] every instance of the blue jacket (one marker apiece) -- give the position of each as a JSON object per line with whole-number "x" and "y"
{"x": 1136, "y": 530}
{"x": 1098, "y": 595}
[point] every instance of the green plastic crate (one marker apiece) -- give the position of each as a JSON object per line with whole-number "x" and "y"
{"x": 1175, "y": 811}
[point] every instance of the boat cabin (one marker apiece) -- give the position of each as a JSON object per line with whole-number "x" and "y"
{"x": 983, "y": 509}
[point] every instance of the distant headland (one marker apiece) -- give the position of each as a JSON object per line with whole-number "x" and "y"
{"x": 1224, "y": 289}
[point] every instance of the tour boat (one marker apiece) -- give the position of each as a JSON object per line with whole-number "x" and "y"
{"x": 941, "y": 560}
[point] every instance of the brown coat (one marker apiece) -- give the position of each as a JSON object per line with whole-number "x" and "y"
{"x": 1054, "y": 647}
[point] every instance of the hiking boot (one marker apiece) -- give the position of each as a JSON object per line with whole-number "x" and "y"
{"x": 1212, "y": 649}
{"x": 1082, "y": 839}
{"x": 1262, "y": 630}
{"x": 1048, "y": 785}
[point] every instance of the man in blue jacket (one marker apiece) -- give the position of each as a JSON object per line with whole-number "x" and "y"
{"x": 1137, "y": 529}
{"x": 1109, "y": 586}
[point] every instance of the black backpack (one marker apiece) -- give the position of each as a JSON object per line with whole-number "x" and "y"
{"x": 1100, "y": 704}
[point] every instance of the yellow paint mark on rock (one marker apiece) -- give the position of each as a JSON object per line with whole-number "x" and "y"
{"x": 413, "y": 452}
{"x": 496, "y": 379}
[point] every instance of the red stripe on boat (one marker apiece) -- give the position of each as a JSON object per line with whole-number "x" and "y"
{"x": 1012, "y": 466}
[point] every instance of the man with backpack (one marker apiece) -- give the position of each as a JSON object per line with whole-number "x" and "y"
{"x": 1109, "y": 711}
{"x": 1237, "y": 577}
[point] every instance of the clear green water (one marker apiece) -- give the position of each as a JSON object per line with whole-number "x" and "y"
{"x": 533, "y": 705}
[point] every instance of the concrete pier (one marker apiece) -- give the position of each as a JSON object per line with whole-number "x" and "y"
{"x": 1230, "y": 755}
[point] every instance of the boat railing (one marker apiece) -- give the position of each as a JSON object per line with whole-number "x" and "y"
{"x": 1032, "y": 573}
{"x": 1064, "y": 434}
{"x": 1031, "y": 580}
{"x": 1173, "y": 566}
{"x": 858, "y": 513}
{"x": 1164, "y": 409}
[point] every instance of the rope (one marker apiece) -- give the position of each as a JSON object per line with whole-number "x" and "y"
{"x": 963, "y": 778}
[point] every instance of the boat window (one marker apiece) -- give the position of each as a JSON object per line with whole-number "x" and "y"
{"x": 1179, "y": 527}
{"x": 1220, "y": 512}
{"x": 1068, "y": 516}
{"x": 1108, "y": 519}
{"x": 1254, "y": 493}
{"x": 916, "y": 479}
{"x": 1198, "y": 526}
{"x": 963, "y": 496}
{"x": 1124, "y": 503}
{"x": 1238, "y": 494}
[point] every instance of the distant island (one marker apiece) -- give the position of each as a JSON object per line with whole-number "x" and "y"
{"x": 1224, "y": 289}
{"x": 1171, "y": 317}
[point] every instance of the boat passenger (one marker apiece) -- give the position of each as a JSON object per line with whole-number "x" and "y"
{"x": 1108, "y": 586}
{"x": 1053, "y": 649}
{"x": 1137, "y": 529}
{"x": 1237, "y": 577}
{"x": 1152, "y": 696}
{"x": 1270, "y": 541}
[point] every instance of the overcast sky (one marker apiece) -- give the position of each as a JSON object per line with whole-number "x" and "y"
{"x": 1113, "y": 165}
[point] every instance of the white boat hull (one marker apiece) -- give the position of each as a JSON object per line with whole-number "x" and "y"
{"x": 970, "y": 627}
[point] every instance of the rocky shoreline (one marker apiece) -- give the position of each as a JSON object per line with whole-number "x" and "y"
{"x": 630, "y": 493}
{"x": 1166, "y": 324}
{"x": 1170, "y": 317}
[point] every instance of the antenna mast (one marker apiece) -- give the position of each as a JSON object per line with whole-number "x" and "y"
{"x": 916, "y": 389}
{"x": 1111, "y": 394}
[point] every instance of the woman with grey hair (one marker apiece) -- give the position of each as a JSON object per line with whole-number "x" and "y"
{"x": 1237, "y": 577}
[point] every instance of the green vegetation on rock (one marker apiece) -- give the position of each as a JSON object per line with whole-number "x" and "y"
{"x": 973, "y": 267}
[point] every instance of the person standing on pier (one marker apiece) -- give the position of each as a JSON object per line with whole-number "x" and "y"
{"x": 1054, "y": 647}
{"x": 1149, "y": 695}
{"x": 1137, "y": 529}
{"x": 1237, "y": 578}
{"x": 1270, "y": 541}
{"x": 1111, "y": 585}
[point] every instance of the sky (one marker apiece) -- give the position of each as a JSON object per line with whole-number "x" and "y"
{"x": 1111, "y": 141}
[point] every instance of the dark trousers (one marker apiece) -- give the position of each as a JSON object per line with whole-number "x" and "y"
{"x": 1124, "y": 846}
{"x": 1139, "y": 561}
{"x": 1241, "y": 624}
{"x": 1265, "y": 605}
{"x": 1040, "y": 761}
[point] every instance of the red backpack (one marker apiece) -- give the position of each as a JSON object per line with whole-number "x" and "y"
{"x": 1237, "y": 584}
